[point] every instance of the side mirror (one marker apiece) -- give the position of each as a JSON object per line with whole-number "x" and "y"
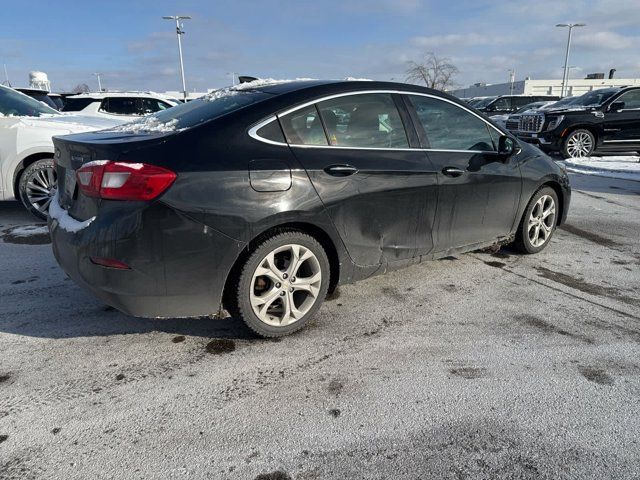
{"x": 507, "y": 146}
{"x": 616, "y": 106}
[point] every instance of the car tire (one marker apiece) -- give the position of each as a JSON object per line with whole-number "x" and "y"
{"x": 579, "y": 144}
{"x": 272, "y": 296}
{"x": 539, "y": 218}
{"x": 37, "y": 186}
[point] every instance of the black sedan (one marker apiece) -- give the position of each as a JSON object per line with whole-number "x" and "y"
{"x": 263, "y": 197}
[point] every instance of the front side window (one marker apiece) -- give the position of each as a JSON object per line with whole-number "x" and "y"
{"x": 501, "y": 104}
{"x": 449, "y": 127}
{"x": 120, "y": 106}
{"x": 152, "y": 105}
{"x": 304, "y": 127}
{"x": 366, "y": 121}
{"x": 631, "y": 100}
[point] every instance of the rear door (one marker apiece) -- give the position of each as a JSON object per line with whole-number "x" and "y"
{"x": 479, "y": 191}
{"x": 622, "y": 128}
{"x": 378, "y": 189}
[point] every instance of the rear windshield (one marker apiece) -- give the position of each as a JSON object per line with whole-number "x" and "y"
{"x": 195, "y": 112}
{"x": 16, "y": 104}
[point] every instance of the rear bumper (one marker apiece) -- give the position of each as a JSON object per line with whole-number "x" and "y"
{"x": 178, "y": 266}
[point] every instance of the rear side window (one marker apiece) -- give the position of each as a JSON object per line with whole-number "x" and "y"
{"x": 304, "y": 127}
{"x": 519, "y": 102}
{"x": 76, "y": 104}
{"x": 367, "y": 121}
{"x": 449, "y": 127}
{"x": 271, "y": 131}
{"x": 120, "y": 105}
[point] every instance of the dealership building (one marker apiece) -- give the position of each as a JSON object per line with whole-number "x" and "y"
{"x": 542, "y": 87}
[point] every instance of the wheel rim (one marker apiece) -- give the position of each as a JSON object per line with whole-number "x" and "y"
{"x": 285, "y": 285}
{"x": 542, "y": 220}
{"x": 41, "y": 187}
{"x": 579, "y": 145}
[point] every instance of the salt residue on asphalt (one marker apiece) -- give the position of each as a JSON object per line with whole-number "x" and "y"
{"x": 29, "y": 230}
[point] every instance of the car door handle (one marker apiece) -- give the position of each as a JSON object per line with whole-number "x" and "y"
{"x": 341, "y": 170}
{"x": 452, "y": 171}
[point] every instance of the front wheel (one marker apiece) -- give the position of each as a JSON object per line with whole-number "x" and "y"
{"x": 580, "y": 143}
{"x": 538, "y": 221}
{"x": 282, "y": 285}
{"x": 37, "y": 187}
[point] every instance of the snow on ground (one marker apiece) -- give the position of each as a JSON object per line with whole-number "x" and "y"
{"x": 624, "y": 167}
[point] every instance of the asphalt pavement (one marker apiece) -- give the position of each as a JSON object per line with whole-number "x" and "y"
{"x": 482, "y": 366}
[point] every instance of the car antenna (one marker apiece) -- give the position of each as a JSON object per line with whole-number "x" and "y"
{"x": 6, "y": 76}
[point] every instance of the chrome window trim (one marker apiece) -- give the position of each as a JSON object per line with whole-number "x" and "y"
{"x": 617, "y": 141}
{"x": 253, "y": 130}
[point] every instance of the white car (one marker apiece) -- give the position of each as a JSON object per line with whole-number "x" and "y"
{"x": 26, "y": 149}
{"x": 126, "y": 106}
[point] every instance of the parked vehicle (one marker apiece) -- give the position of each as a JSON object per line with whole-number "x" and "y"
{"x": 605, "y": 120}
{"x": 509, "y": 103}
{"x": 26, "y": 148}
{"x": 124, "y": 106}
{"x": 53, "y": 100}
{"x": 502, "y": 119}
{"x": 264, "y": 197}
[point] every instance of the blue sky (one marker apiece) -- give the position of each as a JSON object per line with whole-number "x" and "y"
{"x": 135, "y": 49}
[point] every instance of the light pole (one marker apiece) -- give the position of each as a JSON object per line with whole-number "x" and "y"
{"x": 512, "y": 79}
{"x": 179, "y": 33}
{"x": 99, "y": 82}
{"x": 565, "y": 77}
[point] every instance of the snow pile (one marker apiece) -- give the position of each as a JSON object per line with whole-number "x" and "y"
{"x": 261, "y": 82}
{"x": 65, "y": 221}
{"x": 355, "y": 79}
{"x": 29, "y": 230}
{"x": 147, "y": 125}
{"x": 624, "y": 167}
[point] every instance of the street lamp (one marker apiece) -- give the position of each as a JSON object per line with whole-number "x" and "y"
{"x": 512, "y": 79}
{"x": 99, "y": 82}
{"x": 179, "y": 33}
{"x": 565, "y": 77}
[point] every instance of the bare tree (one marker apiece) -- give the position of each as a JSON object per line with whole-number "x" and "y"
{"x": 81, "y": 88}
{"x": 435, "y": 72}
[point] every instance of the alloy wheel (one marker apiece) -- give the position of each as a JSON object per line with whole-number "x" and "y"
{"x": 285, "y": 285}
{"x": 541, "y": 221}
{"x": 579, "y": 144}
{"x": 41, "y": 187}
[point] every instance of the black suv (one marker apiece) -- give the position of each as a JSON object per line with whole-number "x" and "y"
{"x": 509, "y": 103}
{"x": 604, "y": 120}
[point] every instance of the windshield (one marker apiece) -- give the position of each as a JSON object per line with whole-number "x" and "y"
{"x": 560, "y": 103}
{"x": 595, "y": 98}
{"x": 530, "y": 106}
{"x": 16, "y": 104}
{"x": 484, "y": 102}
{"x": 195, "y": 112}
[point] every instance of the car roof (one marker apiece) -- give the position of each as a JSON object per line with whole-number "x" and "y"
{"x": 101, "y": 95}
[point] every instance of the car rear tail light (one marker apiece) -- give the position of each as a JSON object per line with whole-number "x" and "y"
{"x": 110, "y": 263}
{"x": 123, "y": 181}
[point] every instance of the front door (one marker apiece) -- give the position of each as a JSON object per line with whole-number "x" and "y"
{"x": 479, "y": 190}
{"x": 622, "y": 128}
{"x": 379, "y": 192}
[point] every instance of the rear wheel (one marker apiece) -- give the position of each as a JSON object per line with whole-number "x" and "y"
{"x": 282, "y": 284}
{"x": 37, "y": 187}
{"x": 538, "y": 221}
{"x": 578, "y": 144}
